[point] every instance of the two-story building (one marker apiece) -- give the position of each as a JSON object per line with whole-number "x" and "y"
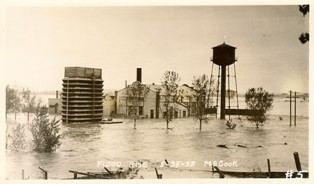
{"x": 150, "y": 103}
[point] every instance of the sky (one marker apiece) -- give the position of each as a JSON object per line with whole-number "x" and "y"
{"x": 41, "y": 41}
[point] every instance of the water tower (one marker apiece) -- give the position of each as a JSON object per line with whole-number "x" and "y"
{"x": 223, "y": 56}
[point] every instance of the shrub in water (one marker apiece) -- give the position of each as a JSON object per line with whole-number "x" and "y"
{"x": 17, "y": 140}
{"x": 45, "y": 134}
{"x": 258, "y": 99}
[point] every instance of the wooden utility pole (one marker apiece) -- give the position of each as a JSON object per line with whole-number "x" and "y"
{"x": 269, "y": 170}
{"x": 295, "y": 108}
{"x": 290, "y": 106}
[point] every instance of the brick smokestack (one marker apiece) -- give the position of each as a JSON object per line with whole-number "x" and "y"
{"x": 139, "y": 75}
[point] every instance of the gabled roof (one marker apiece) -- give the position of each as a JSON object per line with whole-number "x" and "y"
{"x": 109, "y": 93}
{"x": 155, "y": 88}
{"x": 183, "y": 105}
{"x": 53, "y": 101}
{"x": 224, "y": 45}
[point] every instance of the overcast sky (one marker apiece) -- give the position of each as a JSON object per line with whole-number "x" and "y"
{"x": 41, "y": 41}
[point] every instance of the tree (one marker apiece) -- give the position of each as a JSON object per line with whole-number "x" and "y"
{"x": 29, "y": 102}
{"x": 230, "y": 93}
{"x": 135, "y": 99}
{"x": 17, "y": 141}
{"x": 258, "y": 99}
{"x": 13, "y": 101}
{"x": 45, "y": 132}
{"x": 170, "y": 95}
{"x": 203, "y": 89}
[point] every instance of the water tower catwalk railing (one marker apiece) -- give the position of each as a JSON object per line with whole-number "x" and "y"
{"x": 223, "y": 57}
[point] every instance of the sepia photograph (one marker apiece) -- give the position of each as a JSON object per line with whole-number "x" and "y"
{"x": 160, "y": 92}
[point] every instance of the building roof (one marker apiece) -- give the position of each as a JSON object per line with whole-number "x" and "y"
{"x": 53, "y": 101}
{"x": 154, "y": 87}
{"x": 82, "y": 72}
{"x": 157, "y": 87}
{"x": 109, "y": 93}
{"x": 224, "y": 45}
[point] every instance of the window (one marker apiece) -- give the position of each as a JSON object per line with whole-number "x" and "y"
{"x": 176, "y": 114}
{"x": 132, "y": 110}
{"x": 151, "y": 113}
{"x": 56, "y": 108}
{"x": 140, "y": 110}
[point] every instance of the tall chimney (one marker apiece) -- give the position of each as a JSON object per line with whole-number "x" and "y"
{"x": 139, "y": 75}
{"x": 57, "y": 94}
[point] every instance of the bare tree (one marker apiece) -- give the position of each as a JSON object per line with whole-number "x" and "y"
{"x": 13, "y": 101}
{"x": 30, "y": 102}
{"x": 170, "y": 95}
{"x": 136, "y": 94}
{"x": 203, "y": 88}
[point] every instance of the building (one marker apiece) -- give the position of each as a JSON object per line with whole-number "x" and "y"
{"x": 54, "y": 105}
{"x": 109, "y": 104}
{"x": 82, "y": 99}
{"x": 82, "y": 95}
{"x": 151, "y": 104}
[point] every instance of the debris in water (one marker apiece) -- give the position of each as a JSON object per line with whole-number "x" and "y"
{"x": 241, "y": 146}
{"x": 222, "y": 146}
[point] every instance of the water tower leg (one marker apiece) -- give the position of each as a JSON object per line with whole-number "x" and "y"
{"x": 223, "y": 93}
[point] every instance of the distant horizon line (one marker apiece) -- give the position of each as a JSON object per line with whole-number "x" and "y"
{"x": 108, "y": 89}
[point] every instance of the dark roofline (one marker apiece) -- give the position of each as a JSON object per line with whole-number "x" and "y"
{"x": 224, "y": 45}
{"x": 182, "y": 104}
{"x": 81, "y": 67}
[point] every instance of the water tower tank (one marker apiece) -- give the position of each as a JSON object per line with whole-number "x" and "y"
{"x": 224, "y": 55}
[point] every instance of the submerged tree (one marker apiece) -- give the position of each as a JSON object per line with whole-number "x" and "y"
{"x": 135, "y": 99}
{"x": 13, "y": 101}
{"x": 30, "y": 102}
{"x": 203, "y": 89}
{"x": 170, "y": 95}
{"x": 45, "y": 132}
{"x": 258, "y": 99}
{"x": 230, "y": 93}
{"x": 16, "y": 141}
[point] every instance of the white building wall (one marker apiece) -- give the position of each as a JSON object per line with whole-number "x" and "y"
{"x": 108, "y": 105}
{"x": 178, "y": 107}
{"x": 121, "y": 102}
{"x": 150, "y": 104}
{"x": 54, "y": 106}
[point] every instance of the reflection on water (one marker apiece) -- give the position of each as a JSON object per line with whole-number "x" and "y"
{"x": 83, "y": 146}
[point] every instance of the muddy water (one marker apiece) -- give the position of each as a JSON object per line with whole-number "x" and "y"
{"x": 189, "y": 152}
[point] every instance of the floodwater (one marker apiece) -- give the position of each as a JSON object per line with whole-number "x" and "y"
{"x": 189, "y": 152}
